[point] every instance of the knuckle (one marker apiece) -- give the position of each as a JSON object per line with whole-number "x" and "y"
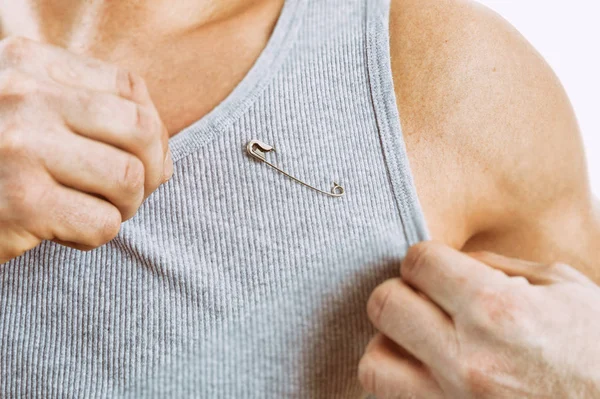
{"x": 139, "y": 88}
{"x": 131, "y": 85}
{"x": 367, "y": 375}
{"x": 498, "y": 306}
{"x": 131, "y": 180}
{"x": 15, "y": 48}
{"x": 129, "y": 209}
{"x": 146, "y": 126}
{"x": 378, "y": 302}
{"x": 478, "y": 376}
{"x": 415, "y": 260}
{"x": 12, "y": 140}
{"x": 125, "y": 82}
{"x": 108, "y": 229}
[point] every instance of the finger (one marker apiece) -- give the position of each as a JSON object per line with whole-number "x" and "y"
{"x": 15, "y": 240}
{"x": 95, "y": 75}
{"x": 141, "y": 95}
{"x": 411, "y": 321}
{"x": 69, "y": 215}
{"x": 448, "y": 277}
{"x": 84, "y": 73}
{"x": 97, "y": 168}
{"x": 68, "y": 68}
{"x": 124, "y": 124}
{"x": 387, "y": 373}
{"x": 72, "y": 216}
{"x": 113, "y": 118}
{"x": 535, "y": 273}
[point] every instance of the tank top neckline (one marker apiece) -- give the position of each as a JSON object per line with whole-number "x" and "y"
{"x": 241, "y": 97}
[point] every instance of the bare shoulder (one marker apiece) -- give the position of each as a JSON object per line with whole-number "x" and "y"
{"x": 492, "y": 139}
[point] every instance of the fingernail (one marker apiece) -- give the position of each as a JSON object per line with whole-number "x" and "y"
{"x": 168, "y": 167}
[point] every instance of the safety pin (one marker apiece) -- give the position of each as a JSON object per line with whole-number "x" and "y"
{"x": 258, "y": 149}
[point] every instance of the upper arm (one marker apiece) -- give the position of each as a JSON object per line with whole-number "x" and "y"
{"x": 492, "y": 139}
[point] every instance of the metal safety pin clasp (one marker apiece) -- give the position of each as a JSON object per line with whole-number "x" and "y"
{"x": 258, "y": 150}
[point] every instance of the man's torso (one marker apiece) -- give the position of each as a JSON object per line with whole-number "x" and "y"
{"x": 234, "y": 280}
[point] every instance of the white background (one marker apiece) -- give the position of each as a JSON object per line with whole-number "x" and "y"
{"x": 567, "y": 33}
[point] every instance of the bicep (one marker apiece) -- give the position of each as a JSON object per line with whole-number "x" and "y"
{"x": 539, "y": 193}
{"x": 568, "y": 235}
{"x": 538, "y": 205}
{"x": 493, "y": 141}
{"x": 538, "y": 188}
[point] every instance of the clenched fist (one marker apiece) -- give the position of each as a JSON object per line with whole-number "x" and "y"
{"x": 483, "y": 326}
{"x": 81, "y": 147}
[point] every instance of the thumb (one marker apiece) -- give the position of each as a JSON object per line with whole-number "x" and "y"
{"x": 535, "y": 273}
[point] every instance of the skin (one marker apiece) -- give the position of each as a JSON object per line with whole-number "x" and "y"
{"x": 55, "y": 90}
{"x": 493, "y": 142}
{"x": 484, "y": 326}
{"x": 485, "y": 119}
{"x": 180, "y": 48}
{"x": 492, "y": 139}
{"x": 81, "y": 146}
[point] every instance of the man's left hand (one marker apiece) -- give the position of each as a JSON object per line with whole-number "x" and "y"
{"x": 483, "y": 326}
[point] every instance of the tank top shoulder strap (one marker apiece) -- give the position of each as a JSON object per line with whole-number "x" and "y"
{"x": 388, "y": 119}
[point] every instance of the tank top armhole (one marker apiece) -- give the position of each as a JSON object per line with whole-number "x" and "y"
{"x": 388, "y": 121}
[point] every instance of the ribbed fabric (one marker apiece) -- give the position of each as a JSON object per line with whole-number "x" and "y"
{"x": 232, "y": 280}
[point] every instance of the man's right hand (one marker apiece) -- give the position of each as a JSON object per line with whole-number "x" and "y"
{"x": 81, "y": 147}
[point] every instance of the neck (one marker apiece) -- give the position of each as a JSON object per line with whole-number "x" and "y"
{"x": 180, "y": 47}
{"x": 90, "y": 26}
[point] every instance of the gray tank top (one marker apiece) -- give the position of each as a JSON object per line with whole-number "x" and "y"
{"x": 233, "y": 280}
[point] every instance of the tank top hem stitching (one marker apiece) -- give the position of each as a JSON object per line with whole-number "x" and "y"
{"x": 388, "y": 122}
{"x": 203, "y": 131}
